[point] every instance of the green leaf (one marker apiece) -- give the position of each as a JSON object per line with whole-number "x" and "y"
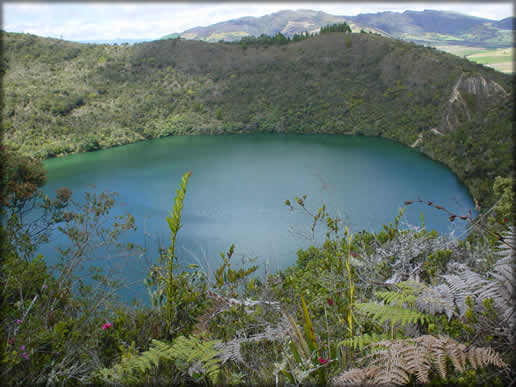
{"x": 309, "y": 331}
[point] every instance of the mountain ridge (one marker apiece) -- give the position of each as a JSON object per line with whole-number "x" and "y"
{"x": 425, "y": 27}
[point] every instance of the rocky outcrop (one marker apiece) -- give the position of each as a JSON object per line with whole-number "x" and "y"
{"x": 470, "y": 94}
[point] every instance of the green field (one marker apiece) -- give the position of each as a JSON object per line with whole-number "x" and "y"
{"x": 500, "y": 59}
{"x": 492, "y": 59}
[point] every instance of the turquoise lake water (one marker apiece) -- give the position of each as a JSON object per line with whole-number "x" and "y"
{"x": 238, "y": 187}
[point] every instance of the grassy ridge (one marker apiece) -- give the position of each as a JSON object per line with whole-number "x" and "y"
{"x": 62, "y": 97}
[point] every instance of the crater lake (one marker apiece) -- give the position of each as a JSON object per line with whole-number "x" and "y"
{"x": 237, "y": 192}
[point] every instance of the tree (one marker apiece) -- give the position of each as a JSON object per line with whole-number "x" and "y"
{"x": 338, "y": 27}
{"x": 21, "y": 199}
{"x": 52, "y": 316}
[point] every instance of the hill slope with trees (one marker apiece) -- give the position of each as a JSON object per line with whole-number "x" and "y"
{"x": 398, "y": 307}
{"x": 62, "y": 97}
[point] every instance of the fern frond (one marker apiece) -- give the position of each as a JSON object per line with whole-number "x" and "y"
{"x": 396, "y": 298}
{"x": 362, "y": 340}
{"x": 500, "y": 288}
{"x": 437, "y": 349}
{"x": 200, "y": 354}
{"x": 411, "y": 287}
{"x": 391, "y": 364}
{"x": 498, "y": 285}
{"x": 393, "y": 313}
{"x": 396, "y": 360}
{"x": 197, "y": 353}
{"x": 231, "y": 350}
{"x": 418, "y": 362}
{"x": 504, "y": 249}
{"x": 355, "y": 376}
{"x": 462, "y": 286}
{"x": 437, "y": 300}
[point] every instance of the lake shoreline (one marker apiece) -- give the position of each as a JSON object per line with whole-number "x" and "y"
{"x": 251, "y": 132}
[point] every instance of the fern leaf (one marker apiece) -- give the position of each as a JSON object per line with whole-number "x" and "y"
{"x": 231, "y": 350}
{"x": 396, "y": 360}
{"x": 396, "y": 298}
{"x": 504, "y": 249}
{"x": 354, "y": 376}
{"x": 203, "y": 353}
{"x": 463, "y": 286}
{"x": 395, "y": 314}
{"x": 437, "y": 300}
{"x": 391, "y": 364}
{"x": 362, "y": 340}
{"x": 418, "y": 363}
{"x": 191, "y": 350}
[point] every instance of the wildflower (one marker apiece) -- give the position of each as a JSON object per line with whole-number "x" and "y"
{"x": 504, "y": 220}
{"x": 354, "y": 254}
{"x": 107, "y": 326}
{"x": 18, "y": 322}
{"x": 25, "y": 355}
{"x": 330, "y": 301}
{"x": 322, "y": 361}
{"x": 11, "y": 341}
{"x": 22, "y": 347}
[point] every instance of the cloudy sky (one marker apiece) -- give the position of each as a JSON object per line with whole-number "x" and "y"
{"x": 92, "y": 21}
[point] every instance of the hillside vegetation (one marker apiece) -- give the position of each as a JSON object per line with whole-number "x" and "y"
{"x": 402, "y": 306}
{"x": 448, "y": 31}
{"x": 62, "y": 97}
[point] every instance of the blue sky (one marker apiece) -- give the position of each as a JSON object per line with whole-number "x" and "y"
{"x": 92, "y": 21}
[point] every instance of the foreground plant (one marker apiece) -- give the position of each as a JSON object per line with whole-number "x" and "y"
{"x": 192, "y": 358}
{"x": 394, "y": 362}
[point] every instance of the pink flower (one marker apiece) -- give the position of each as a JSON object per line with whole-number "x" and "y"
{"x": 107, "y": 326}
{"x": 18, "y": 322}
{"x": 354, "y": 254}
{"x": 330, "y": 301}
{"x": 25, "y": 355}
{"x": 322, "y": 361}
{"x": 22, "y": 347}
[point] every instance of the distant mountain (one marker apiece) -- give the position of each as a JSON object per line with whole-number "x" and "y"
{"x": 427, "y": 27}
{"x": 286, "y": 22}
{"x": 509, "y": 23}
{"x": 414, "y": 22}
{"x": 432, "y": 27}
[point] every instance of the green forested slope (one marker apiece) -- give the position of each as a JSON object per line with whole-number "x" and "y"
{"x": 62, "y": 97}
